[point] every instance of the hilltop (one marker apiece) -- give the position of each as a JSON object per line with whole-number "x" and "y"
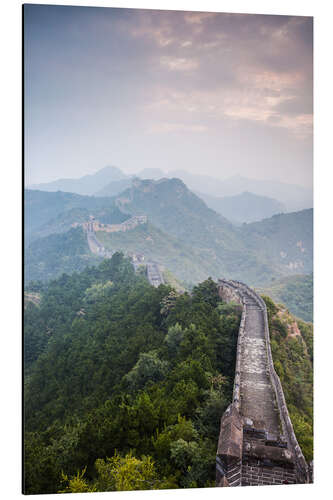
{"x": 173, "y": 207}
{"x": 254, "y": 252}
{"x": 178, "y": 212}
{"x": 86, "y": 185}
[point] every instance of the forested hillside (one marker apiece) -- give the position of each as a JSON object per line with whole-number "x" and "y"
{"x": 48, "y": 257}
{"x": 253, "y": 253}
{"x": 47, "y": 213}
{"x": 125, "y": 384}
{"x": 296, "y": 292}
{"x": 186, "y": 264}
{"x": 286, "y": 238}
{"x": 292, "y": 351}
{"x": 178, "y": 212}
{"x": 121, "y": 377}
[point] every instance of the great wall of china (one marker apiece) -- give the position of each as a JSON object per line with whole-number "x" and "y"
{"x": 127, "y": 225}
{"x": 154, "y": 273}
{"x": 257, "y": 444}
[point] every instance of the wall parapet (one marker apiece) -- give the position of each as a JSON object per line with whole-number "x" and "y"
{"x": 237, "y": 297}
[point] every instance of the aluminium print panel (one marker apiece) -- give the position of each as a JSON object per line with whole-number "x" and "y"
{"x": 168, "y": 249}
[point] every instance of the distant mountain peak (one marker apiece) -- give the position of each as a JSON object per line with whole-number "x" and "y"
{"x": 87, "y": 185}
{"x": 109, "y": 169}
{"x": 244, "y": 207}
{"x": 172, "y": 207}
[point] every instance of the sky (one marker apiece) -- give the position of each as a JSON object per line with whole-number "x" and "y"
{"x": 211, "y": 93}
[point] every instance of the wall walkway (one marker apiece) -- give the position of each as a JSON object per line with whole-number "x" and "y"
{"x": 257, "y": 444}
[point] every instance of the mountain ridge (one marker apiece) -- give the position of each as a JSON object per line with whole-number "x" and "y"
{"x": 272, "y": 247}
{"x": 293, "y": 196}
{"x": 254, "y": 253}
{"x": 86, "y": 185}
{"x": 244, "y": 207}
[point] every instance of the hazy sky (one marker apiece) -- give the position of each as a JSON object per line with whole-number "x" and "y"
{"x": 220, "y": 94}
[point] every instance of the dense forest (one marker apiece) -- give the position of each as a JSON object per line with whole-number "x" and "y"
{"x": 125, "y": 384}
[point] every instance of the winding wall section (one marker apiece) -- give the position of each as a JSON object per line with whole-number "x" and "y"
{"x": 257, "y": 444}
{"x": 154, "y": 273}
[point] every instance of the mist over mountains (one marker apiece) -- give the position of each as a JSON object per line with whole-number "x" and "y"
{"x": 86, "y": 185}
{"x": 292, "y": 196}
{"x": 183, "y": 233}
{"x": 285, "y": 197}
{"x": 244, "y": 207}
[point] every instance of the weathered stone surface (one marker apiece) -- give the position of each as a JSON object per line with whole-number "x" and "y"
{"x": 272, "y": 453}
{"x": 257, "y": 395}
{"x": 231, "y": 435}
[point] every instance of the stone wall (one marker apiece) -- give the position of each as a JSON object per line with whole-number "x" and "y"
{"x": 231, "y": 294}
{"x": 264, "y": 459}
{"x": 127, "y": 225}
{"x": 265, "y": 462}
{"x": 288, "y": 430}
{"x": 230, "y": 449}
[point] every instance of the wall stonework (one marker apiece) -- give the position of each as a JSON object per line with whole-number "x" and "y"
{"x": 127, "y": 225}
{"x": 257, "y": 444}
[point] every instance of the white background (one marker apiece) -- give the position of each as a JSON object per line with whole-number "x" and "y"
{"x": 10, "y": 196}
